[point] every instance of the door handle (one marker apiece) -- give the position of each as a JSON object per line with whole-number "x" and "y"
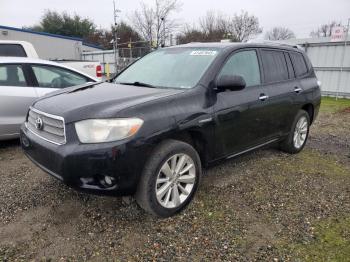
{"x": 263, "y": 97}
{"x": 298, "y": 90}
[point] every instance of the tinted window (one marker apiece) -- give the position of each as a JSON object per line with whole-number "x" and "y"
{"x": 170, "y": 68}
{"x": 300, "y": 66}
{"x": 244, "y": 64}
{"x": 290, "y": 66}
{"x": 12, "y": 50}
{"x": 275, "y": 66}
{"x": 55, "y": 77}
{"x": 12, "y": 75}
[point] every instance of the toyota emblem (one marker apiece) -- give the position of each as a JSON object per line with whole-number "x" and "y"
{"x": 39, "y": 123}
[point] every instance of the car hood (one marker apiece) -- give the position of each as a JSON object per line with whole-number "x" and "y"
{"x": 102, "y": 100}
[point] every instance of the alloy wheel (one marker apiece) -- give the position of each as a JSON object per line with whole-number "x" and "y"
{"x": 175, "y": 181}
{"x": 300, "y": 132}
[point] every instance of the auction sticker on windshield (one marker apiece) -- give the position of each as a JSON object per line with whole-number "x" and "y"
{"x": 203, "y": 53}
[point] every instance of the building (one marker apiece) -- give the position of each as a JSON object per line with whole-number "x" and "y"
{"x": 49, "y": 46}
{"x": 331, "y": 61}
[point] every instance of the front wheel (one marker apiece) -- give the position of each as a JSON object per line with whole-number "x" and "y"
{"x": 170, "y": 179}
{"x": 298, "y": 135}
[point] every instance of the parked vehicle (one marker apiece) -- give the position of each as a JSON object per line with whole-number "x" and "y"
{"x": 17, "y": 49}
{"x": 26, "y": 49}
{"x": 170, "y": 113}
{"x": 22, "y": 81}
{"x": 91, "y": 68}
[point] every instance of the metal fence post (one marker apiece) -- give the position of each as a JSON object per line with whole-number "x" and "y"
{"x": 343, "y": 60}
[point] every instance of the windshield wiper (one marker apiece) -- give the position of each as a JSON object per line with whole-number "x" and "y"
{"x": 137, "y": 83}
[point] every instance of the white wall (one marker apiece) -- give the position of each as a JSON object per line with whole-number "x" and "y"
{"x": 331, "y": 61}
{"x": 49, "y": 47}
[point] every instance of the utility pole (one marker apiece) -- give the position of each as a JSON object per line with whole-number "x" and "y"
{"x": 163, "y": 38}
{"x": 343, "y": 59}
{"x": 130, "y": 50}
{"x": 115, "y": 42}
{"x": 171, "y": 40}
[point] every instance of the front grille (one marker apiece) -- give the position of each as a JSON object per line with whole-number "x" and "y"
{"x": 48, "y": 127}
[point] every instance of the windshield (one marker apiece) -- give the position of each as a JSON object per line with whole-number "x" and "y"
{"x": 170, "y": 68}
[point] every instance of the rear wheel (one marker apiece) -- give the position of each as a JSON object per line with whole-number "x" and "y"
{"x": 170, "y": 179}
{"x": 298, "y": 135}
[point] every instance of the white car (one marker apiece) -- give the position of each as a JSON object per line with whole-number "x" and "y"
{"x": 25, "y": 49}
{"x": 23, "y": 80}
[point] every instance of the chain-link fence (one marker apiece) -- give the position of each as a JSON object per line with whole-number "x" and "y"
{"x": 125, "y": 57}
{"x": 135, "y": 52}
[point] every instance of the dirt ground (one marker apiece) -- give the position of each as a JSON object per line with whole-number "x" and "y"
{"x": 266, "y": 205}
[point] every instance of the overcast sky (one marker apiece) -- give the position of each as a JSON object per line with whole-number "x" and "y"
{"x": 302, "y": 16}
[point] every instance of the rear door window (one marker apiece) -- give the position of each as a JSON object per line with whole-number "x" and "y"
{"x": 245, "y": 64}
{"x": 12, "y": 50}
{"x": 55, "y": 77}
{"x": 299, "y": 63}
{"x": 12, "y": 75}
{"x": 275, "y": 66}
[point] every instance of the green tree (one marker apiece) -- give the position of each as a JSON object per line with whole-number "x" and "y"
{"x": 64, "y": 24}
{"x": 125, "y": 33}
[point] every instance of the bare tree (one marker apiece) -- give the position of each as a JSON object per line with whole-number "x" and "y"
{"x": 216, "y": 26}
{"x": 143, "y": 21}
{"x": 190, "y": 34}
{"x": 155, "y": 22}
{"x": 279, "y": 33}
{"x": 208, "y": 23}
{"x": 324, "y": 30}
{"x": 211, "y": 28}
{"x": 245, "y": 26}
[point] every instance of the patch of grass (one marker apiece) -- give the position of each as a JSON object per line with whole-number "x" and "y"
{"x": 332, "y": 105}
{"x": 209, "y": 208}
{"x": 324, "y": 164}
{"x": 312, "y": 162}
{"x": 331, "y": 243}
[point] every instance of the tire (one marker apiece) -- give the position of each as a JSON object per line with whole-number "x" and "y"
{"x": 155, "y": 170}
{"x": 294, "y": 143}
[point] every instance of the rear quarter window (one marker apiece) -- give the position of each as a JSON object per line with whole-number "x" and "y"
{"x": 290, "y": 66}
{"x": 12, "y": 75}
{"x": 299, "y": 64}
{"x": 12, "y": 50}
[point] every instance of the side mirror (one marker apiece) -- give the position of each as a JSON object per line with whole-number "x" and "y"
{"x": 231, "y": 82}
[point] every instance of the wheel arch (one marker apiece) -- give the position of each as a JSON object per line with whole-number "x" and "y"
{"x": 309, "y": 108}
{"x": 197, "y": 140}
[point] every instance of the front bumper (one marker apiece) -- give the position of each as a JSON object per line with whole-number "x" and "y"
{"x": 85, "y": 167}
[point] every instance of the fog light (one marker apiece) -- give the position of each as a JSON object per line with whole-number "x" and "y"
{"x": 109, "y": 180}
{"x": 25, "y": 141}
{"x": 105, "y": 181}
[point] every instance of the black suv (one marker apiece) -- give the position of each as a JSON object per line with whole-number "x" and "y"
{"x": 149, "y": 133}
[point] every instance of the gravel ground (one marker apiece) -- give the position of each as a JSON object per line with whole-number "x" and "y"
{"x": 266, "y": 205}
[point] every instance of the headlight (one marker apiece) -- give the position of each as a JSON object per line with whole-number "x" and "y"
{"x": 107, "y": 130}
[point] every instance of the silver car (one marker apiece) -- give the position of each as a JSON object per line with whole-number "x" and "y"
{"x": 22, "y": 81}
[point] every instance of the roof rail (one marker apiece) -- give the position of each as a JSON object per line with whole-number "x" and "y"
{"x": 276, "y": 43}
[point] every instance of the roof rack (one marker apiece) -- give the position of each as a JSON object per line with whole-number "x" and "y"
{"x": 276, "y": 43}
